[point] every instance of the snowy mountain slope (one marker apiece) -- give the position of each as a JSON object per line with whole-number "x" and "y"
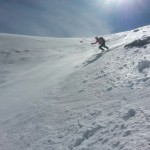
{"x": 63, "y": 94}
{"x": 30, "y": 64}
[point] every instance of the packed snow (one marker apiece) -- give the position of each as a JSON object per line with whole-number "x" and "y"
{"x": 64, "y": 94}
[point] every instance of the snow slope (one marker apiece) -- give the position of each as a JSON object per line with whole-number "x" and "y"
{"x": 63, "y": 94}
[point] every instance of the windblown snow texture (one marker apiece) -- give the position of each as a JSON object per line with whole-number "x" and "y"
{"x": 63, "y": 94}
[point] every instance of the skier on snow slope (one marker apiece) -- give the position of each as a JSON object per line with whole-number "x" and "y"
{"x": 101, "y": 41}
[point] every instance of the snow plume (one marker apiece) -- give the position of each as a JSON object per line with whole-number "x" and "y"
{"x": 64, "y": 94}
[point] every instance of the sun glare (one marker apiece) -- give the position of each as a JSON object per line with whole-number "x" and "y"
{"x": 120, "y": 4}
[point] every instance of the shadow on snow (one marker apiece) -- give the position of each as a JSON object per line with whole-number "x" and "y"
{"x": 95, "y": 57}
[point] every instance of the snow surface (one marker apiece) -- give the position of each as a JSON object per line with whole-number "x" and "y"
{"x": 63, "y": 94}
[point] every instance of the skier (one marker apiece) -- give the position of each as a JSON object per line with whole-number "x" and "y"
{"x": 101, "y": 42}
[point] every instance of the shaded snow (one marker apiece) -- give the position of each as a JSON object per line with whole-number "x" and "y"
{"x": 63, "y": 94}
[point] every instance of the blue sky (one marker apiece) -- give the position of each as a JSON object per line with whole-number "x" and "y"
{"x": 72, "y": 18}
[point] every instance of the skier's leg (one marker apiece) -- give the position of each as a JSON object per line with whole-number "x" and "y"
{"x": 105, "y": 45}
{"x": 100, "y": 47}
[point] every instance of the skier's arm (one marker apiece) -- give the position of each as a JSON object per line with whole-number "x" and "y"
{"x": 94, "y": 42}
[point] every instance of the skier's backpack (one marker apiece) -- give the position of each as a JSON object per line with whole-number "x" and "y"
{"x": 102, "y": 39}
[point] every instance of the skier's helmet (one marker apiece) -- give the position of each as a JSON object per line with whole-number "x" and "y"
{"x": 96, "y": 37}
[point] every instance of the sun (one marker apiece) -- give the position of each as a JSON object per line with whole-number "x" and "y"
{"x": 118, "y": 3}
{"x": 121, "y": 5}
{"x": 124, "y": 3}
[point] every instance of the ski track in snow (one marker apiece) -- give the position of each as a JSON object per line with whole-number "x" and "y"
{"x": 63, "y": 94}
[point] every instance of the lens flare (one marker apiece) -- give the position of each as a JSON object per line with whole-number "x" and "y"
{"x": 118, "y": 3}
{"x": 121, "y": 5}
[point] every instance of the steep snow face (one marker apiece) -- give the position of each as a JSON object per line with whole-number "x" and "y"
{"x": 65, "y": 94}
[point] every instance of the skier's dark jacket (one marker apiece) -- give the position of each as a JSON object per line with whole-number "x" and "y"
{"x": 99, "y": 40}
